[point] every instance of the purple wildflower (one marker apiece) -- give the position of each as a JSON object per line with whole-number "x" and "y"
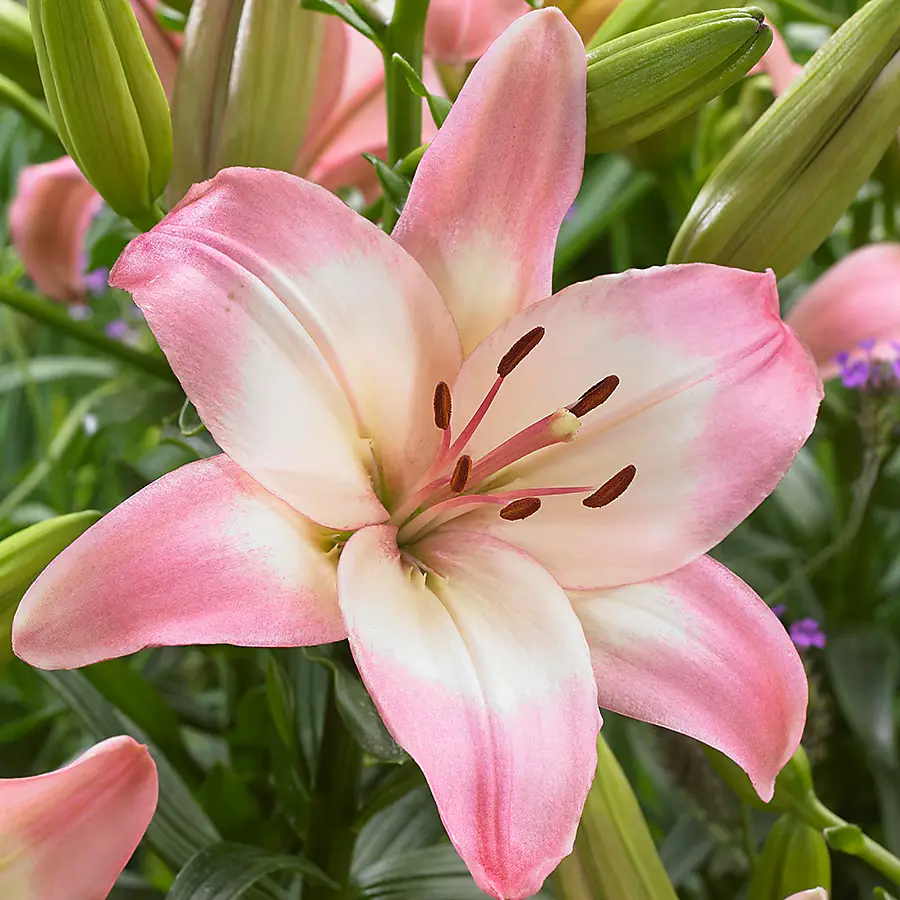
{"x": 806, "y": 633}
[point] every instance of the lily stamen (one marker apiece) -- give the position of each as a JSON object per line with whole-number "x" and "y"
{"x": 594, "y": 396}
{"x": 461, "y": 473}
{"x": 520, "y": 509}
{"x": 614, "y": 488}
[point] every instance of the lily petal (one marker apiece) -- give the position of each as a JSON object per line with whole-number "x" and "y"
{"x": 204, "y": 555}
{"x": 460, "y": 30}
{"x": 70, "y": 833}
{"x": 778, "y": 64}
{"x": 491, "y": 192}
{"x": 308, "y": 341}
{"x": 699, "y": 652}
{"x": 854, "y": 301}
{"x": 716, "y": 397}
{"x": 480, "y": 670}
{"x": 49, "y": 221}
{"x": 814, "y": 894}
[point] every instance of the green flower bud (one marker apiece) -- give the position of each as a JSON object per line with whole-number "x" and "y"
{"x": 24, "y": 555}
{"x": 794, "y": 858}
{"x": 106, "y": 100}
{"x": 17, "y": 58}
{"x": 779, "y": 192}
{"x": 245, "y": 86}
{"x": 646, "y": 80}
{"x": 614, "y": 856}
{"x": 631, "y": 15}
{"x": 793, "y": 786}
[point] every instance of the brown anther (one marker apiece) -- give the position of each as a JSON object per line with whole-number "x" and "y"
{"x": 519, "y": 350}
{"x": 593, "y": 397}
{"x": 615, "y": 487}
{"x": 443, "y": 405}
{"x": 520, "y": 509}
{"x": 461, "y": 474}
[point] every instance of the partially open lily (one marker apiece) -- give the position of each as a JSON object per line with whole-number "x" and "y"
{"x": 851, "y": 314}
{"x": 502, "y": 498}
{"x": 68, "y": 834}
{"x": 49, "y": 221}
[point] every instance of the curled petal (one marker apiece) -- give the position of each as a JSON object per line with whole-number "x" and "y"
{"x": 480, "y": 670}
{"x": 715, "y": 397}
{"x": 856, "y": 300}
{"x": 697, "y": 651}
{"x": 460, "y": 30}
{"x": 309, "y": 342}
{"x": 516, "y": 131}
{"x": 68, "y": 834}
{"x": 49, "y": 221}
{"x": 202, "y": 556}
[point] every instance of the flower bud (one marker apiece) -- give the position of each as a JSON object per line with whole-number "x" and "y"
{"x": 17, "y": 59}
{"x": 794, "y": 858}
{"x": 244, "y": 88}
{"x": 646, "y": 80}
{"x": 614, "y": 856}
{"x": 632, "y": 15}
{"x": 24, "y": 555}
{"x": 777, "y": 195}
{"x": 106, "y": 100}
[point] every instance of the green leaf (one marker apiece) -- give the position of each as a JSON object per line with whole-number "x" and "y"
{"x": 395, "y": 186}
{"x": 225, "y": 871}
{"x": 180, "y": 828}
{"x": 865, "y": 673}
{"x": 349, "y": 15}
{"x": 106, "y": 239}
{"x": 882, "y": 894}
{"x": 41, "y": 369}
{"x": 438, "y": 106}
{"x": 357, "y": 709}
{"x": 845, "y": 838}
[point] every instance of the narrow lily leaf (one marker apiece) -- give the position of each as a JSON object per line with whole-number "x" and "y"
{"x": 180, "y": 828}
{"x": 394, "y": 185}
{"x": 794, "y": 858}
{"x": 845, "y": 838}
{"x": 438, "y": 106}
{"x": 225, "y": 871}
{"x": 358, "y": 711}
{"x": 882, "y": 894}
{"x": 865, "y": 672}
{"x": 349, "y": 15}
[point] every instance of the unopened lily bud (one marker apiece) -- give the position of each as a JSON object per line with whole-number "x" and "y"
{"x": 632, "y": 15}
{"x": 614, "y": 856}
{"x": 646, "y": 80}
{"x": 794, "y": 858}
{"x": 25, "y": 554}
{"x": 777, "y": 195}
{"x": 106, "y": 100}
{"x": 17, "y": 58}
{"x": 244, "y": 88}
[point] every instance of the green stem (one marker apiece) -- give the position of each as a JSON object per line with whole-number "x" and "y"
{"x": 405, "y": 36}
{"x": 332, "y": 835}
{"x": 55, "y": 315}
{"x": 33, "y": 110}
{"x": 816, "y": 814}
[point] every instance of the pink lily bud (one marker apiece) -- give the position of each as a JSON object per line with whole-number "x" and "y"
{"x": 854, "y": 308}
{"x": 164, "y": 46}
{"x": 461, "y": 30}
{"x": 49, "y": 220}
{"x": 814, "y": 894}
{"x": 778, "y": 64}
{"x": 69, "y": 833}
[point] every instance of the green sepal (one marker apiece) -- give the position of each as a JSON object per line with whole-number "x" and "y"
{"x": 794, "y": 858}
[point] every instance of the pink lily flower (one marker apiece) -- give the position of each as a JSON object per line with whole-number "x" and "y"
{"x": 461, "y": 30}
{"x": 349, "y": 114}
{"x": 164, "y": 45}
{"x": 854, "y": 309}
{"x": 778, "y": 64}
{"x": 502, "y": 498}
{"x": 49, "y": 221}
{"x": 814, "y": 894}
{"x": 69, "y": 834}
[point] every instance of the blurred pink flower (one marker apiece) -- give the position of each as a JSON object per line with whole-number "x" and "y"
{"x": 814, "y": 894}
{"x": 502, "y": 498}
{"x": 461, "y": 30}
{"x": 778, "y": 64}
{"x": 164, "y": 45}
{"x": 852, "y": 313}
{"x": 49, "y": 220}
{"x": 68, "y": 834}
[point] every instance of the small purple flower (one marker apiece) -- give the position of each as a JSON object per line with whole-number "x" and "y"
{"x": 779, "y": 609}
{"x": 868, "y": 372}
{"x": 571, "y": 213}
{"x": 97, "y": 281}
{"x": 117, "y": 329}
{"x": 806, "y": 633}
